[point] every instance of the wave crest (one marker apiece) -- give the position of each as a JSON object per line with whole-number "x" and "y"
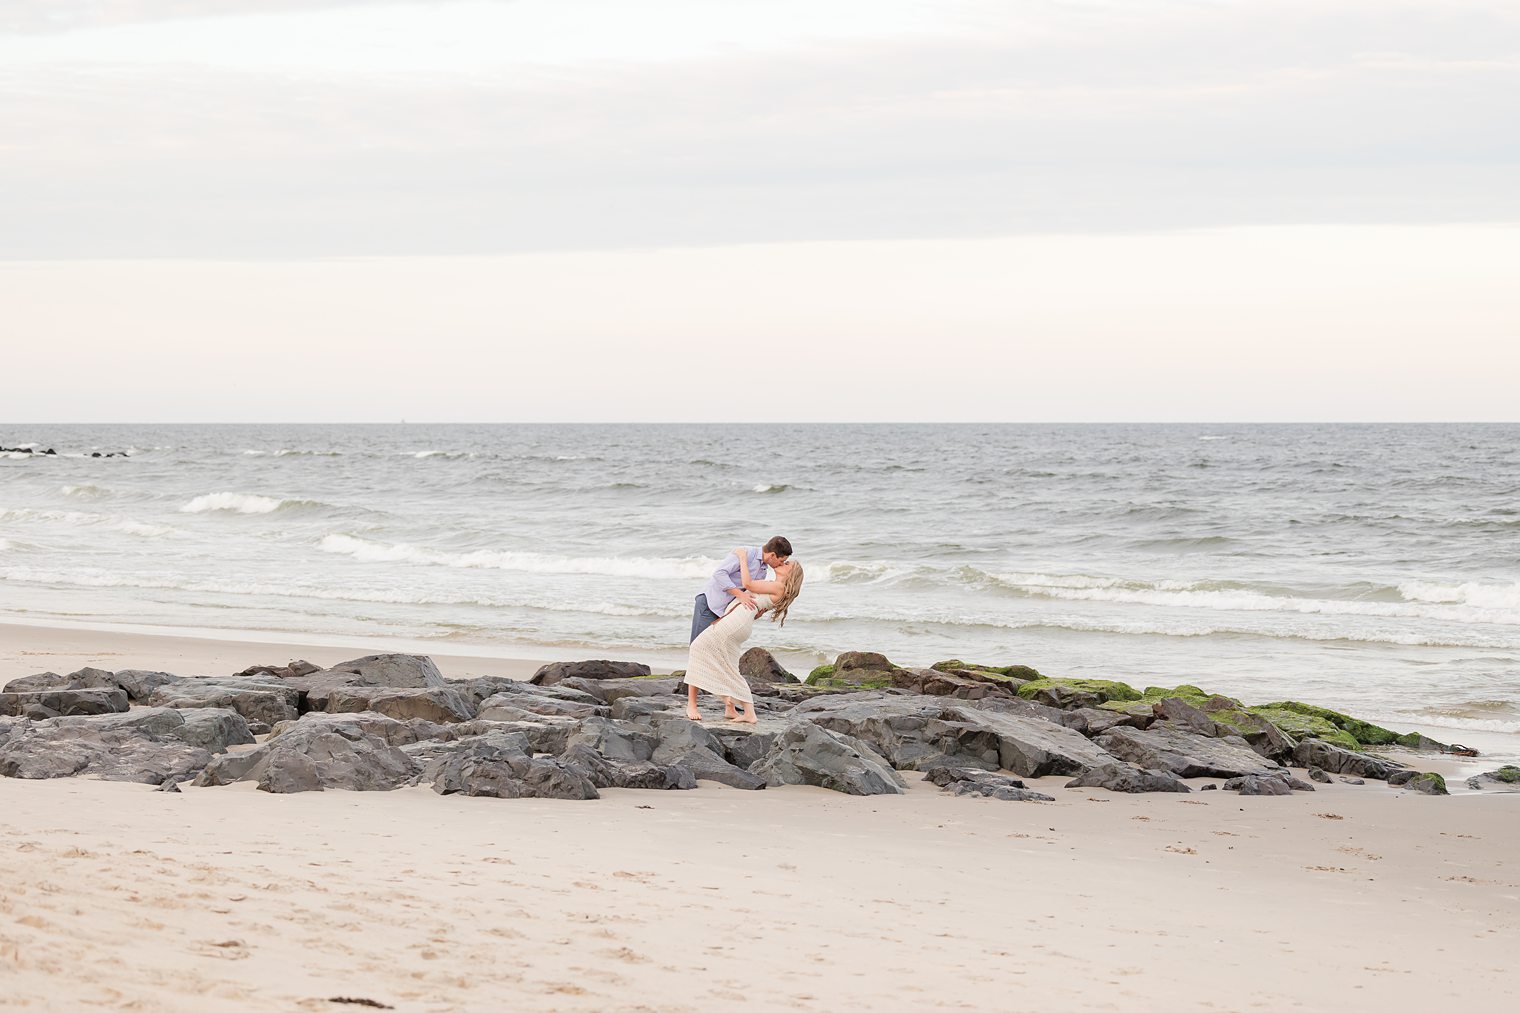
{"x": 692, "y": 567}
{"x": 236, "y": 502}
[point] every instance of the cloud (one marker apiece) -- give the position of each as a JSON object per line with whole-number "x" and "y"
{"x": 1052, "y": 118}
{"x": 72, "y": 15}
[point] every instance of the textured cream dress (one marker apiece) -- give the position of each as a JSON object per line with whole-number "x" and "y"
{"x": 714, "y": 661}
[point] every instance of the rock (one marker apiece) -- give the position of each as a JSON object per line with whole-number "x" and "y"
{"x": 1336, "y": 760}
{"x": 497, "y": 767}
{"x": 643, "y": 708}
{"x": 745, "y": 747}
{"x": 440, "y": 704}
{"x": 293, "y": 670}
{"x": 1184, "y": 753}
{"x": 1209, "y": 787}
{"x": 760, "y": 669}
{"x": 975, "y": 781}
{"x": 213, "y": 729}
{"x": 85, "y": 678}
{"x": 1278, "y": 782}
{"x": 39, "y": 705}
{"x": 610, "y": 691}
{"x": 398, "y": 671}
{"x": 1066, "y": 693}
{"x": 496, "y": 708}
{"x": 1506, "y": 778}
{"x": 1127, "y": 777}
{"x": 1260, "y": 734}
{"x": 807, "y": 753}
{"x": 49, "y": 750}
{"x": 933, "y": 682}
{"x": 917, "y": 732}
{"x": 315, "y": 754}
{"x": 688, "y": 744}
{"x": 616, "y": 741}
{"x": 1316, "y": 774}
{"x": 140, "y": 685}
{"x": 603, "y": 773}
{"x": 1258, "y": 786}
{"x": 854, "y": 670}
{"x": 256, "y": 699}
{"x": 1352, "y": 780}
{"x": 1427, "y": 784}
{"x": 1184, "y": 715}
{"x": 559, "y": 671}
{"x": 1399, "y": 777}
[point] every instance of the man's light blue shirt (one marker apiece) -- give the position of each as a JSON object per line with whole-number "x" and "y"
{"x": 727, "y": 576}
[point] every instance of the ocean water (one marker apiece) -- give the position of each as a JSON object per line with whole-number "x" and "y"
{"x": 1371, "y": 568}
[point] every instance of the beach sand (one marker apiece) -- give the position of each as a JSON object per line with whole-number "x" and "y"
{"x": 1349, "y": 898}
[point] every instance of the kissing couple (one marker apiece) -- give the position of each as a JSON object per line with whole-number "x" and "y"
{"x": 736, "y": 593}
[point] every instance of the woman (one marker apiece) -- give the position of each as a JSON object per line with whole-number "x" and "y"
{"x": 714, "y": 661}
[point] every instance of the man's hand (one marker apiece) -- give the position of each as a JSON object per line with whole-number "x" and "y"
{"x": 747, "y": 598}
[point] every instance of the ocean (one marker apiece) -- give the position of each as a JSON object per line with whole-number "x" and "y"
{"x": 1372, "y": 568}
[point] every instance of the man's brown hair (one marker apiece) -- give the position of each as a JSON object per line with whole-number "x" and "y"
{"x": 780, "y": 546}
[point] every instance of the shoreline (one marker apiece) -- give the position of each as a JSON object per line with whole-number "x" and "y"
{"x": 29, "y": 647}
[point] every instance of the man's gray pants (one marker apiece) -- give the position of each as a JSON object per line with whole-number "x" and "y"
{"x": 702, "y": 617}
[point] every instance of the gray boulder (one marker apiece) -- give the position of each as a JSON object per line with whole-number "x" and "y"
{"x": 762, "y": 671}
{"x": 1181, "y": 714}
{"x": 39, "y": 705}
{"x": 1278, "y": 782}
{"x": 398, "y": 671}
{"x": 212, "y": 729}
{"x": 975, "y": 781}
{"x": 917, "y": 732}
{"x": 1330, "y": 757}
{"x": 141, "y": 684}
{"x": 1506, "y": 778}
{"x": 688, "y": 744}
{"x": 1128, "y": 778}
{"x": 1184, "y": 753}
{"x": 603, "y": 773}
{"x": 610, "y": 691}
{"x": 260, "y": 699}
{"x": 496, "y": 766}
{"x": 85, "y": 678}
{"x": 559, "y": 671}
{"x": 439, "y": 704}
{"x": 807, "y": 753}
{"x": 616, "y": 741}
{"x": 315, "y": 754}
{"x": 493, "y": 708}
{"x": 46, "y": 750}
{"x": 1316, "y": 774}
{"x": 743, "y": 746}
{"x": 1427, "y": 784}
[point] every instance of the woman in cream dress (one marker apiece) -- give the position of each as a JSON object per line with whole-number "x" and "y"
{"x": 714, "y": 661}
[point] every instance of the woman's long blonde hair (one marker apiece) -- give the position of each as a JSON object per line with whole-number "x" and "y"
{"x": 789, "y": 592}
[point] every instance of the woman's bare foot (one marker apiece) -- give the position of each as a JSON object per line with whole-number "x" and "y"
{"x": 748, "y": 719}
{"x": 692, "y": 714}
{"x": 729, "y": 712}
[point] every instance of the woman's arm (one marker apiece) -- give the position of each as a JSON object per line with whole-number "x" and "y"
{"x": 743, "y": 554}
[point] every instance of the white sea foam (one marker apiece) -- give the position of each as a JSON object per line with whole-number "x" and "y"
{"x": 1487, "y": 597}
{"x": 693, "y": 567}
{"x": 291, "y": 452}
{"x": 171, "y": 582}
{"x": 449, "y": 454}
{"x": 762, "y": 487}
{"x": 85, "y": 491}
{"x": 1464, "y": 604}
{"x": 236, "y": 502}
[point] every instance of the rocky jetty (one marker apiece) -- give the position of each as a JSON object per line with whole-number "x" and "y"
{"x": 388, "y": 721}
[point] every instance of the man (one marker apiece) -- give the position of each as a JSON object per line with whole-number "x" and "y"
{"x": 715, "y": 599}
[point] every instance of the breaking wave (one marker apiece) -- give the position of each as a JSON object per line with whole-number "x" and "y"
{"x": 692, "y": 567}
{"x": 242, "y": 503}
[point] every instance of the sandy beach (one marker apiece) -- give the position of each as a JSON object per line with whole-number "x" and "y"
{"x": 228, "y": 898}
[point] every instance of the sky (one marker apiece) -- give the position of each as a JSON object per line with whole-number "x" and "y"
{"x": 594, "y": 210}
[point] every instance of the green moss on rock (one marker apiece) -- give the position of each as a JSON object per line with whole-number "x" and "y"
{"x": 821, "y": 672}
{"x": 1362, "y": 732}
{"x": 1106, "y": 689}
{"x": 1304, "y": 726}
{"x": 1509, "y": 774}
{"x": 1009, "y": 671}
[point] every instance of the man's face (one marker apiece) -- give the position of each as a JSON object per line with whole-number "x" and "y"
{"x": 772, "y": 560}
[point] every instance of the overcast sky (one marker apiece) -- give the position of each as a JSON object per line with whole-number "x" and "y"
{"x": 497, "y": 210}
